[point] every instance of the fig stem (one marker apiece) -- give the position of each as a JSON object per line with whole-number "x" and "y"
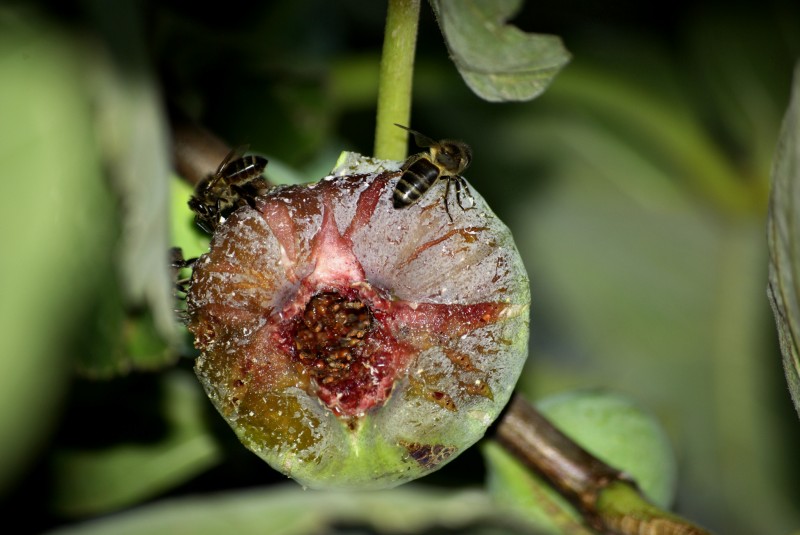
{"x": 609, "y": 501}
{"x": 395, "y": 78}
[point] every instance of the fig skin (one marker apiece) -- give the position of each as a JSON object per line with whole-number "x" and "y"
{"x": 439, "y": 317}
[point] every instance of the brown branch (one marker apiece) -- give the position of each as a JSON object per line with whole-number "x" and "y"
{"x": 196, "y": 152}
{"x": 610, "y": 501}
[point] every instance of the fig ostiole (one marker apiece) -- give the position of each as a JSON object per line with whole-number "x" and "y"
{"x": 354, "y": 345}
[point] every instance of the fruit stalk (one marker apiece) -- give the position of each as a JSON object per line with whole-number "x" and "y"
{"x": 395, "y": 78}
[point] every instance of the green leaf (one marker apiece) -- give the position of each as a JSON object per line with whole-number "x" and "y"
{"x": 659, "y": 126}
{"x": 133, "y": 323}
{"x": 95, "y": 481}
{"x": 644, "y": 292}
{"x": 498, "y": 61}
{"x": 59, "y": 231}
{"x": 118, "y": 340}
{"x": 744, "y": 92}
{"x": 289, "y": 510}
{"x": 132, "y": 128}
{"x": 134, "y": 326}
{"x": 783, "y": 231}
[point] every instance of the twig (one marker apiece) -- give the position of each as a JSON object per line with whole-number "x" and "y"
{"x": 608, "y": 499}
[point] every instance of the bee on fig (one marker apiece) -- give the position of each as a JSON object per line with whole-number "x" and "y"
{"x": 237, "y": 181}
{"x": 445, "y": 160}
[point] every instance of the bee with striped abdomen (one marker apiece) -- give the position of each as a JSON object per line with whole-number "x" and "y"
{"x": 445, "y": 160}
{"x": 237, "y": 181}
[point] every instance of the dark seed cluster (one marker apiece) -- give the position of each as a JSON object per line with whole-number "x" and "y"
{"x": 330, "y": 338}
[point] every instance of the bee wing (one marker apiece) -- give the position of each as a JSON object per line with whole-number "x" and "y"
{"x": 421, "y": 140}
{"x": 233, "y": 155}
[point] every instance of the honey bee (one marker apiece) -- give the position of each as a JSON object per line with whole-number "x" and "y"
{"x": 445, "y": 160}
{"x": 237, "y": 181}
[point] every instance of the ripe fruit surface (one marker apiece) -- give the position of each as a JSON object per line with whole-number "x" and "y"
{"x": 353, "y": 345}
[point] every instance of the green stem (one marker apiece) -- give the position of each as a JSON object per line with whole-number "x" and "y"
{"x": 622, "y": 510}
{"x": 396, "y": 75}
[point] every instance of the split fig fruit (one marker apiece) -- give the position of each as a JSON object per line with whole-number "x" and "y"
{"x": 354, "y": 345}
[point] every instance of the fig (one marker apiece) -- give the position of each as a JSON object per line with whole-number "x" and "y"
{"x": 350, "y": 344}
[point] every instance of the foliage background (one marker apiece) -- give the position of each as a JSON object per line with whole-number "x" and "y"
{"x": 636, "y": 187}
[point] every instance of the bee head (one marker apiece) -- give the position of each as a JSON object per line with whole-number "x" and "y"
{"x": 454, "y": 156}
{"x": 196, "y": 205}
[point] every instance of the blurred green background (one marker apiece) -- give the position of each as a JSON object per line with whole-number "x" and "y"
{"x": 636, "y": 188}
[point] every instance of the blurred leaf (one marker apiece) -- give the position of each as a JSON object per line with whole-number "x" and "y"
{"x": 662, "y": 127}
{"x": 289, "y": 510}
{"x": 784, "y": 242}
{"x": 119, "y": 340}
{"x": 607, "y": 425}
{"x": 60, "y": 227}
{"x": 498, "y": 61}
{"x": 643, "y": 296}
{"x": 95, "y": 481}
{"x": 132, "y": 128}
{"x": 134, "y": 320}
{"x": 746, "y": 94}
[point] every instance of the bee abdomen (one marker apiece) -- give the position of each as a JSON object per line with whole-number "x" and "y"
{"x": 416, "y": 180}
{"x": 245, "y": 169}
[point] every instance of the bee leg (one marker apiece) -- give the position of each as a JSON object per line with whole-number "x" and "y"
{"x": 182, "y": 316}
{"x": 461, "y": 185}
{"x": 204, "y": 225}
{"x": 219, "y": 216}
{"x": 177, "y": 263}
{"x": 446, "y": 199}
{"x": 182, "y": 287}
